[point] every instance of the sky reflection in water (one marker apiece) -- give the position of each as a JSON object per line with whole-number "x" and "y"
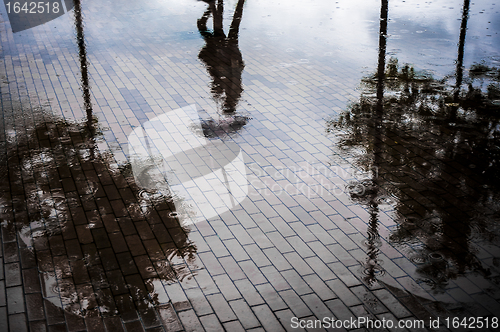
{"x": 433, "y": 143}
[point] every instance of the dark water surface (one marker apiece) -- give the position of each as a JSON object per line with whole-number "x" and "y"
{"x": 246, "y": 165}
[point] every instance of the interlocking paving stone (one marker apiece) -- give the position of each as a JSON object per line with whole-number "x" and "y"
{"x": 211, "y": 323}
{"x": 294, "y": 302}
{"x": 2, "y": 293}
{"x": 221, "y": 307}
{"x": 227, "y": 288}
{"x": 190, "y": 321}
{"x": 131, "y": 266}
{"x": 267, "y": 319}
{"x": 12, "y": 274}
{"x": 257, "y": 255}
{"x": 199, "y": 302}
{"x": 249, "y": 292}
{"x": 244, "y": 314}
{"x": 271, "y": 297}
{"x": 233, "y": 326}
{"x": 15, "y": 303}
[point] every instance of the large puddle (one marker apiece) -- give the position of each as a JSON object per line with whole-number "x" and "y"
{"x": 155, "y": 154}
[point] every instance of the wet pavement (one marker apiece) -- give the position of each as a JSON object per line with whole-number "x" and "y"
{"x": 251, "y": 165}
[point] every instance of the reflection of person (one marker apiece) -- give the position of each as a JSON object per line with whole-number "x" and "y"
{"x": 222, "y": 56}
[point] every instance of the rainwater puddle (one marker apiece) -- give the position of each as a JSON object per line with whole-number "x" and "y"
{"x": 191, "y": 164}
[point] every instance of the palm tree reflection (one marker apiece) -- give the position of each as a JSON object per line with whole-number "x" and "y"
{"x": 82, "y": 54}
{"x": 103, "y": 246}
{"x": 436, "y": 148}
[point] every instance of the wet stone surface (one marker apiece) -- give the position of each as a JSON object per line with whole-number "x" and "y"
{"x": 251, "y": 165}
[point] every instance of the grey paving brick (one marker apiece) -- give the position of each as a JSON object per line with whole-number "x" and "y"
{"x": 319, "y": 287}
{"x": 221, "y": 307}
{"x": 343, "y": 292}
{"x": 227, "y": 287}
{"x": 262, "y": 220}
{"x": 169, "y": 318}
{"x": 244, "y": 314}
{"x": 298, "y": 263}
{"x": 373, "y": 304}
{"x": 241, "y": 234}
{"x": 233, "y": 326}
{"x": 3, "y": 298}
{"x": 322, "y": 252}
{"x": 343, "y": 273}
{"x": 37, "y": 326}
{"x": 300, "y": 246}
{"x": 323, "y": 271}
{"x": 286, "y": 318}
{"x": 279, "y": 241}
{"x": 294, "y": 302}
{"x": 34, "y": 305}
{"x": 321, "y": 234}
{"x": 95, "y": 323}
{"x": 250, "y": 294}
{"x": 260, "y": 238}
{"x": 211, "y": 323}
{"x": 15, "y": 300}
{"x": 205, "y": 282}
{"x": 267, "y": 318}
{"x": 281, "y": 222}
{"x": 277, "y": 259}
{"x": 302, "y": 231}
{"x": 18, "y": 322}
{"x": 396, "y": 308}
{"x": 236, "y": 250}
{"x": 199, "y": 302}
{"x": 275, "y": 278}
{"x": 339, "y": 309}
{"x": 12, "y": 274}
{"x": 271, "y": 297}
{"x": 317, "y": 306}
{"x": 257, "y": 255}
{"x": 296, "y": 282}
{"x": 3, "y": 319}
{"x": 343, "y": 239}
{"x": 232, "y": 268}
{"x": 216, "y": 246}
{"x": 211, "y": 263}
{"x": 10, "y": 252}
{"x": 252, "y": 272}
{"x": 177, "y": 296}
{"x": 190, "y": 320}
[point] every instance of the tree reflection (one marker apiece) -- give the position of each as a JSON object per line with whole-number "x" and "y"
{"x": 100, "y": 245}
{"x": 79, "y": 198}
{"x": 435, "y": 145}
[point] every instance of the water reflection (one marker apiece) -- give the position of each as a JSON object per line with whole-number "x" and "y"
{"x": 188, "y": 155}
{"x": 435, "y": 145}
{"x": 82, "y": 53}
{"x": 90, "y": 227}
{"x": 99, "y": 245}
{"x": 369, "y": 193}
{"x": 222, "y": 56}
